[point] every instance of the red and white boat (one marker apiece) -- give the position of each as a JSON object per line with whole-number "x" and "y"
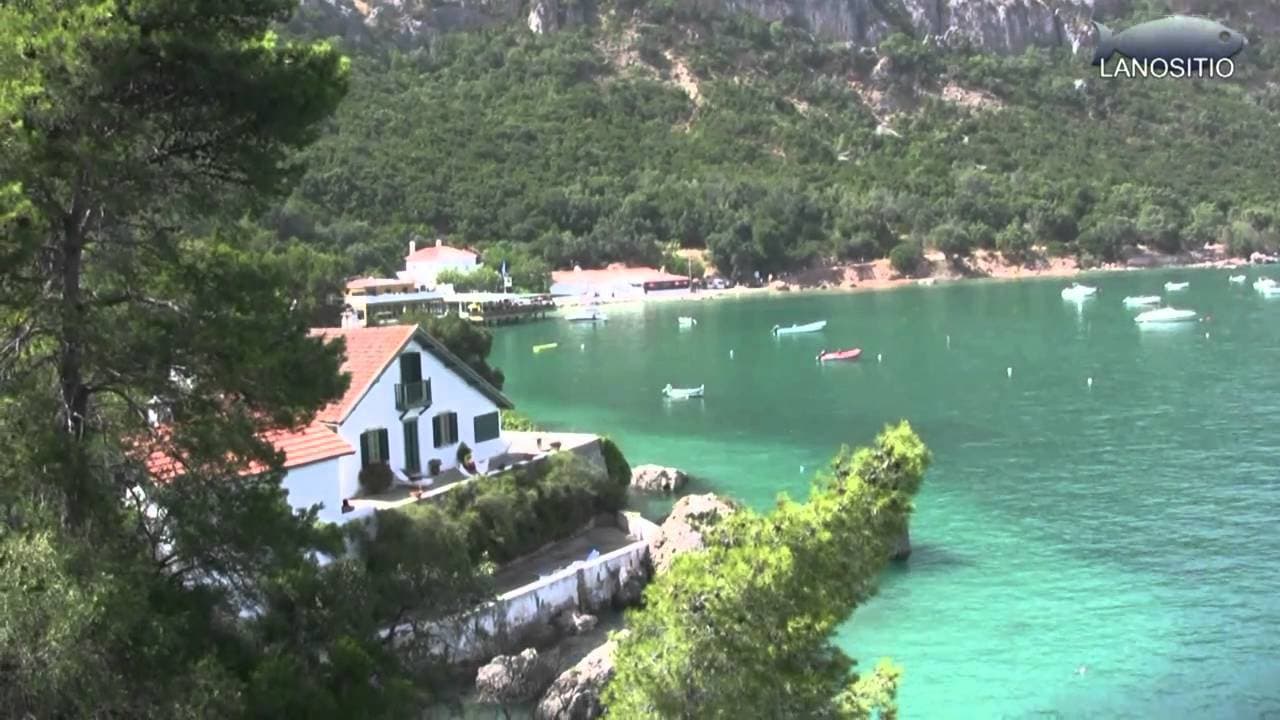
{"x": 850, "y": 354}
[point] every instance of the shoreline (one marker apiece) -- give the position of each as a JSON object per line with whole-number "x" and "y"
{"x": 876, "y": 276}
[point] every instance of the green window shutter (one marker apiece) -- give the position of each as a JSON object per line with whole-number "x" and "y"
{"x": 384, "y": 449}
{"x": 412, "y": 459}
{"x": 436, "y": 431}
{"x": 364, "y": 450}
{"x": 486, "y": 427}
{"x": 453, "y": 428}
{"x": 410, "y": 367}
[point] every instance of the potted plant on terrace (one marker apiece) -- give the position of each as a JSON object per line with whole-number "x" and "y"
{"x": 375, "y": 478}
{"x": 465, "y": 459}
{"x": 433, "y": 467}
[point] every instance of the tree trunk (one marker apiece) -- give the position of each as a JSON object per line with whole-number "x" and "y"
{"x": 69, "y": 259}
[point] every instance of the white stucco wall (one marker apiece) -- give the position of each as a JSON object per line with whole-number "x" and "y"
{"x": 377, "y": 409}
{"x": 424, "y": 273}
{"x": 499, "y": 626}
{"x": 314, "y": 484}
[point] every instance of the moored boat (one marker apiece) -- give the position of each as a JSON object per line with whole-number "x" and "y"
{"x": 586, "y": 314}
{"x": 1165, "y": 315}
{"x": 545, "y": 346}
{"x": 1263, "y": 283}
{"x": 1078, "y": 292}
{"x": 1237, "y": 279}
{"x": 676, "y": 393}
{"x": 1134, "y": 301}
{"x": 687, "y": 321}
{"x": 811, "y": 327}
{"x": 1176, "y": 286}
{"x": 849, "y": 354}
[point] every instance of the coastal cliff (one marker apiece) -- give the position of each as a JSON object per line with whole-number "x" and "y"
{"x": 1006, "y": 26}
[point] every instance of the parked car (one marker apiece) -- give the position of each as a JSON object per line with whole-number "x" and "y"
{"x": 718, "y": 283}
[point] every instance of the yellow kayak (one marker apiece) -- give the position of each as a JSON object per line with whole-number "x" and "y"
{"x": 545, "y": 346}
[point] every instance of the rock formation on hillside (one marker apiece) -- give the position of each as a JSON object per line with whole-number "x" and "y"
{"x": 1005, "y": 26}
{"x": 682, "y": 530}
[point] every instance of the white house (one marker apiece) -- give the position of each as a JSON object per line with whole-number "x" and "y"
{"x": 423, "y": 266}
{"x": 411, "y": 404}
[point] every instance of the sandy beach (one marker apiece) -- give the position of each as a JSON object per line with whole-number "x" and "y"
{"x": 879, "y": 274}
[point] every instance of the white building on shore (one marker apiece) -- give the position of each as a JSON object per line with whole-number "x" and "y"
{"x": 422, "y": 266}
{"x": 411, "y": 405}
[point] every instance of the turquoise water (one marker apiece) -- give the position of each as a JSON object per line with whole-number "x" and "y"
{"x": 1128, "y": 528}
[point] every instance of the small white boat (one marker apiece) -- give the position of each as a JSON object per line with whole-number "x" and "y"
{"x": 676, "y": 393}
{"x": 811, "y": 327}
{"x": 1176, "y": 286}
{"x": 927, "y": 282}
{"x": 1270, "y": 291}
{"x": 1263, "y": 283}
{"x": 1078, "y": 292}
{"x": 687, "y": 321}
{"x": 1165, "y": 315}
{"x": 1134, "y": 301}
{"x": 586, "y": 314}
{"x": 1237, "y": 279}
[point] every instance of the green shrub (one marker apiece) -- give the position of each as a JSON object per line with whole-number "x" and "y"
{"x": 1058, "y": 249}
{"x": 616, "y": 465}
{"x": 518, "y": 511}
{"x": 376, "y": 478}
{"x": 513, "y": 420}
{"x": 906, "y": 258}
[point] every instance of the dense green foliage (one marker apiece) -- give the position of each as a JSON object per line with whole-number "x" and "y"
{"x": 554, "y": 146}
{"x": 469, "y": 341}
{"x": 615, "y": 462}
{"x": 743, "y": 628}
{"x": 518, "y": 511}
{"x": 137, "y": 137}
{"x": 516, "y": 420}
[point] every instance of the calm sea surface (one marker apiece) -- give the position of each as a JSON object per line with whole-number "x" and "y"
{"x": 1130, "y": 529}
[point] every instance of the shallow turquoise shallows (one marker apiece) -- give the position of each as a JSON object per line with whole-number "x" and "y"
{"x": 1081, "y": 551}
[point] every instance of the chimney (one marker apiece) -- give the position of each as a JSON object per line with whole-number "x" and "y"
{"x": 413, "y": 246}
{"x": 350, "y": 319}
{"x": 439, "y": 242}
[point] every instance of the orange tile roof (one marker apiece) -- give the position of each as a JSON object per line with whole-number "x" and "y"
{"x": 628, "y": 275}
{"x": 300, "y": 446}
{"x": 369, "y": 351}
{"x": 309, "y": 444}
{"x": 368, "y": 282}
{"x": 439, "y": 252}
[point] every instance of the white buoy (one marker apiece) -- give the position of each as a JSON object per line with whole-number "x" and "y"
{"x": 879, "y": 357}
{"x": 583, "y": 346}
{"x": 801, "y": 468}
{"x": 948, "y": 342}
{"x": 1206, "y": 336}
{"x": 1008, "y": 371}
{"x": 730, "y": 353}
{"x": 1089, "y": 382}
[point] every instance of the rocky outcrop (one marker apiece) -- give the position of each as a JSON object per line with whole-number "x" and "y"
{"x": 683, "y": 529}
{"x": 1008, "y": 26}
{"x": 575, "y": 695}
{"x": 514, "y": 678}
{"x": 1005, "y": 26}
{"x": 572, "y": 622}
{"x": 656, "y": 478}
{"x": 902, "y": 548}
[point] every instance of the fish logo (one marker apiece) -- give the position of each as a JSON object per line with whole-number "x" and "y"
{"x": 1175, "y": 38}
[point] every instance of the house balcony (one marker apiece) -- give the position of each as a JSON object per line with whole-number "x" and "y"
{"x": 523, "y": 448}
{"x": 413, "y": 396}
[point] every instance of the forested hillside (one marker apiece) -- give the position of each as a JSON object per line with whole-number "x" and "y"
{"x": 664, "y": 125}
